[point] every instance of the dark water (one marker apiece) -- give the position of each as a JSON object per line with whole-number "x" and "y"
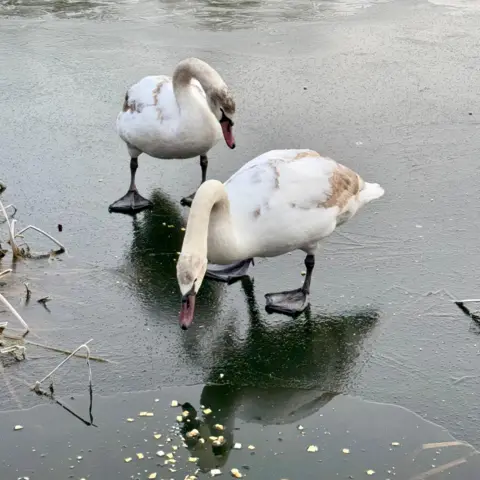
{"x": 389, "y": 90}
{"x": 382, "y": 442}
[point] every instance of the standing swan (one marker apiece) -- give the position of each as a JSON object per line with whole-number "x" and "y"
{"x": 174, "y": 118}
{"x": 281, "y": 201}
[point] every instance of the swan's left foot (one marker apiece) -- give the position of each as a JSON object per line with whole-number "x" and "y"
{"x": 228, "y": 273}
{"x": 131, "y": 202}
{"x": 292, "y": 302}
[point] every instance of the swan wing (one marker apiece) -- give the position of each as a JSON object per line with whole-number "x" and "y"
{"x": 289, "y": 199}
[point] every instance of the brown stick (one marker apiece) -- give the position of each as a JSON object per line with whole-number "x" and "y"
{"x": 441, "y": 468}
{"x": 67, "y": 352}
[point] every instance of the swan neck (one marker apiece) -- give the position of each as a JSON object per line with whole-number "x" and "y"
{"x": 191, "y": 68}
{"x": 211, "y": 199}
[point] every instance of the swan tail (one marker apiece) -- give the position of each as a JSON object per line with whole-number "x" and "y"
{"x": 369, "y": 192}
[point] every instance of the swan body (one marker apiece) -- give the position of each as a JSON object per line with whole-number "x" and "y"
{"x": 282, "y": 200}
{"x": 176, "y": 117}
{"x": 279, "y": 203}
{"x": 150, "y": 121}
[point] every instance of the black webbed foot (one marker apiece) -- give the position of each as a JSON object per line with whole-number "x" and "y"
{"x": 131, "y": 202}
{"x": 292, "y": 302}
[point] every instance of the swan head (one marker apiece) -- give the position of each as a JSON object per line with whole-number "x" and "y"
{"x": 191, "y": 269}
{"x": 223, "y": 107}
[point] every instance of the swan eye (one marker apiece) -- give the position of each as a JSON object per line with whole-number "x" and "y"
{"x": 225, "y": 118}
{"x": 190, "y": 293}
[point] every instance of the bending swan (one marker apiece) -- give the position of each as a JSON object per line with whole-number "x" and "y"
{"x": 281, "y": 201}
{"x": 174, "y": 118}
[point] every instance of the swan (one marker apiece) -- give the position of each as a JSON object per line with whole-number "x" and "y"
{"x": 282, "y": 200}
{"x": 180, "y": 117}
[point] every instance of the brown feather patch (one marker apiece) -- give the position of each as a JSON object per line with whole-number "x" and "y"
{"x": 345, "y": 184}
{"x": 156, "y": 91}
{"x": 130, "y": 105}
{"x": 309, "y": 153}
{"x": 125, "y": 103}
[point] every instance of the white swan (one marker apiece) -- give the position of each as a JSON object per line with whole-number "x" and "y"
{"x": 281, "y": 201}
{"x": 174, "y": 118}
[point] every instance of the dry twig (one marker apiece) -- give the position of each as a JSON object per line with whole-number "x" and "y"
{"x": 28, "y": 292}
{"x": 69, "y": 352}
{"x": 15, "y": 314}
{"x": 8, "y": 270}
{"x": 38, "y": 390}
{"x": 461, "y": 305}
{"x": 18, "y": 252}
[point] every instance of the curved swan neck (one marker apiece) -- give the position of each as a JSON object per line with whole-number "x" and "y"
{"x": 210, "y": 205}
{"x": 198, "y": 69}
{"x": 211, "y": 193}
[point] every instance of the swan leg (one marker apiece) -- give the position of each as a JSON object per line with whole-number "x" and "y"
{"x": 132, "y": 201}
{"x": 228, "y": 273}
{"x": 204, "y": 166}
{"x": 187, "y": 201}
{"x": 292, "y": 302}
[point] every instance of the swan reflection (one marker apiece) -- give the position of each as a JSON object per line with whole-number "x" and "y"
{"x": 274, "y": 376}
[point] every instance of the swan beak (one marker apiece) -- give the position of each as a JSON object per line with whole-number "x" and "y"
{"x": 227, "y": 133}
{"x": 187, "y": 310}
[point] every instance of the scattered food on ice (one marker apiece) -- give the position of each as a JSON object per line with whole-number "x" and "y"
{"x": 236, "y": 473}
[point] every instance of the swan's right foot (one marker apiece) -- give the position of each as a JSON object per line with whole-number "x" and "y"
{"x": 131, "y": 203}
{"x": 291, "y": 302}
{"x": 228, "y": 273}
